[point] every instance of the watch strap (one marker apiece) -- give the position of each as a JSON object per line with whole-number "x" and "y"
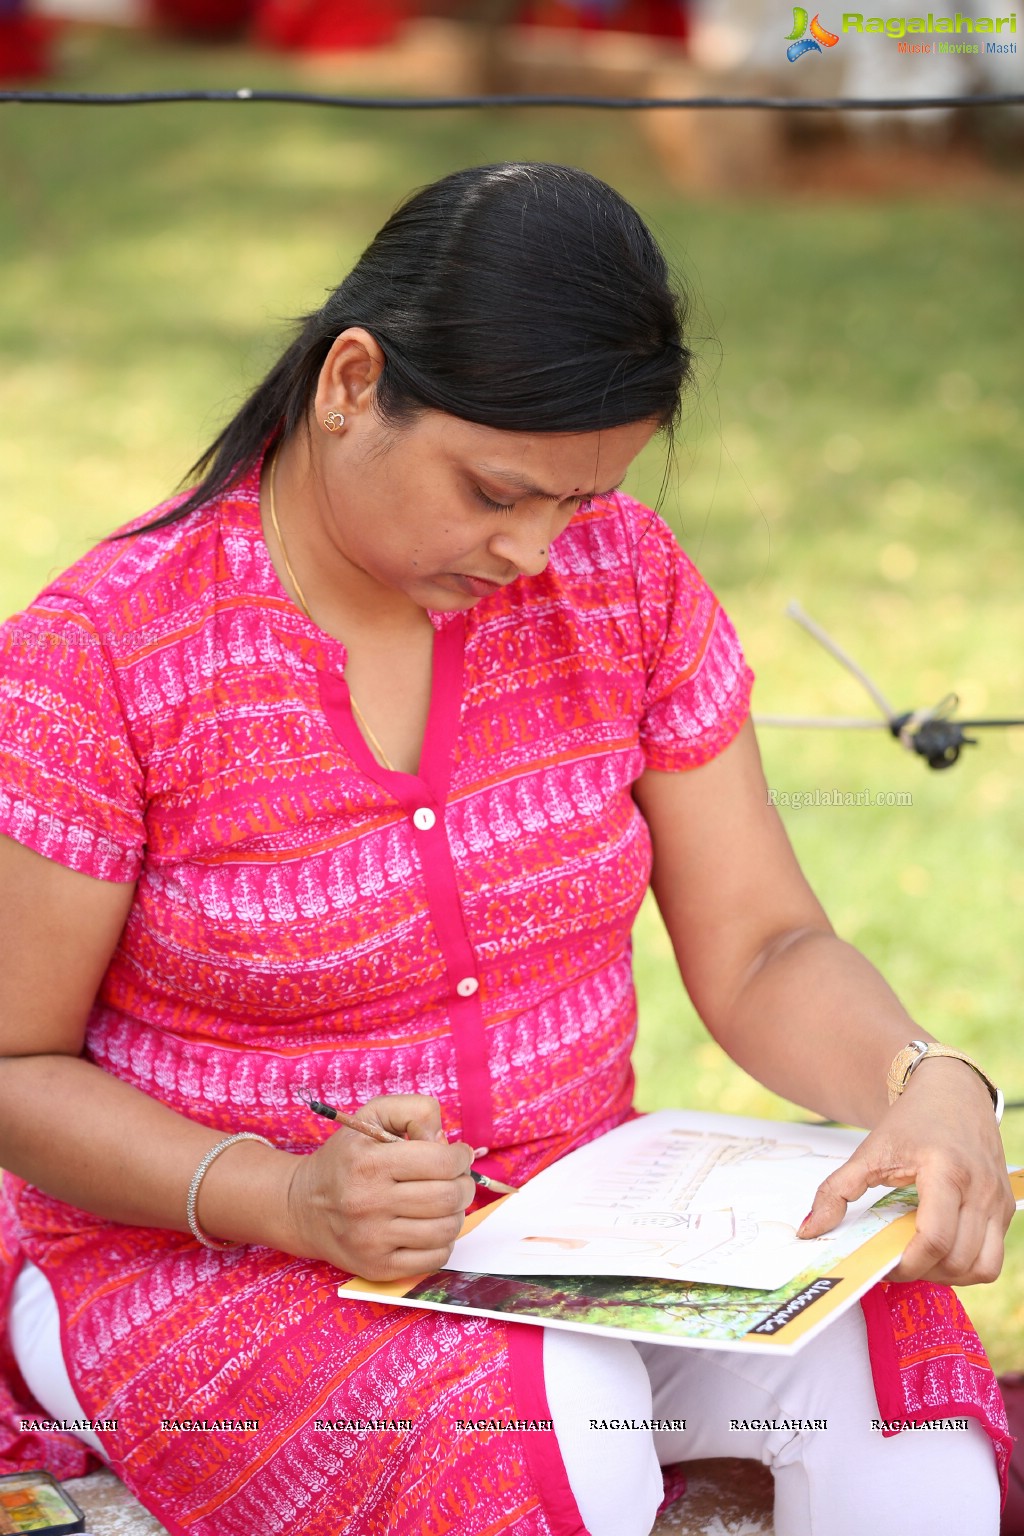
{"x": 910, "y": 1057}
{"x": 902, "y": 1063}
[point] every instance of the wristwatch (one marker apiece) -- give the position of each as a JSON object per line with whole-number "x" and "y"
{"x": 911, "y": 1056}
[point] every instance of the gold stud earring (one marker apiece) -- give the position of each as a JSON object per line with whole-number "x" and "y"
{"x": 333, "y": 420}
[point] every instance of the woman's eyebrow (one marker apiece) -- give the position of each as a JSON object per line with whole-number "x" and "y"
{"x": 516, "y": 482}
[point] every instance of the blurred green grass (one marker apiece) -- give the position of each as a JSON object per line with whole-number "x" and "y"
{"x": 855, "y": 444}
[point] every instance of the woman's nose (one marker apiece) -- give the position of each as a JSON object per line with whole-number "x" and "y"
{"x": 526, "y": 541}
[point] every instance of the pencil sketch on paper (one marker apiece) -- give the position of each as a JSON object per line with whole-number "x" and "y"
{"x": 676, "y": 1195}
{"x": 675, "y": 1312}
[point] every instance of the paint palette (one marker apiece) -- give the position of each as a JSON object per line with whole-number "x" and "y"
{"x": 35, "y": 1501}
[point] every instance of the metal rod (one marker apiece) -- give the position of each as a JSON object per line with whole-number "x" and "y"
{"x": 821, "y": 722}
{"x": 794, "y": 611}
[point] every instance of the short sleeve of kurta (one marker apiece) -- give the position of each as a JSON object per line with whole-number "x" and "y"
{"x": 697, "y": 681}
{"x": 71, "y": 787}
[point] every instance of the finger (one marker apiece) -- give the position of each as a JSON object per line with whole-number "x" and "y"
{"x": 435, "y": 1198}
{"x": 407, "y": 1263}
{"x": 400, "y": 1263}
{"x": 404, "y": 1232}
{"x": 926, "y": 1261}
{"x": 847, "y": 1183}
{"x": 971, "y": 1230}
{"x": 982, "y": 1269}
{"x": 437, "y": 1160}
{"x": 989, "y": 1263}
{"x": 413, "y": 1115}
{"x": 938, "y": 1217}
{"x": 416, "y": 1161}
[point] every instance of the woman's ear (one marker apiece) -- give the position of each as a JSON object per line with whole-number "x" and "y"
{"x": 349, "y": 374}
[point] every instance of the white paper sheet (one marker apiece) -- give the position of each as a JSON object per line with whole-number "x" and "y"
{"x": 677, "y": 1195}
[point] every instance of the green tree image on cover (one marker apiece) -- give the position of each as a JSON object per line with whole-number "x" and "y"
{"x": 613, "y": 1301}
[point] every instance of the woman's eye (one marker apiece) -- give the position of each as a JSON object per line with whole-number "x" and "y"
{"x": 510, "y": 506}
{"x": 495, "y": 506}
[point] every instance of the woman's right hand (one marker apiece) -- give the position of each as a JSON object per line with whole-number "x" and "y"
{"x": 382, "y": 1210}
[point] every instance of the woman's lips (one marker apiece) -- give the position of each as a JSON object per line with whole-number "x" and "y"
{"x": 477, "y": 586}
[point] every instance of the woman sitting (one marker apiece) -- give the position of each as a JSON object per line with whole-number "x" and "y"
{"x": 343, "y": 777}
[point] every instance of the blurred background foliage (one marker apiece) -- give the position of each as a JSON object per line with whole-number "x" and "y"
{"x": 854, "y": 443}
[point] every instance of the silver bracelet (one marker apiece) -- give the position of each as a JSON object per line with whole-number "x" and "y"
{"x": 197, "y": 1179}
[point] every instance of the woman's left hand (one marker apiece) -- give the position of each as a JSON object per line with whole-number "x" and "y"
{"x": 941, "y": 1135}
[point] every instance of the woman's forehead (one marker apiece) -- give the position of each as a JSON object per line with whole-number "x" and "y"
{"x": 551, "y": 465}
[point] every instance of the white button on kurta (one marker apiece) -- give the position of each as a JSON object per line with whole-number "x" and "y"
{"x": 423, "y": 819}
{"x": 467, "y": 986}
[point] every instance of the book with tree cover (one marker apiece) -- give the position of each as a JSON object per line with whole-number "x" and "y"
{"x": 678, "y": 1227}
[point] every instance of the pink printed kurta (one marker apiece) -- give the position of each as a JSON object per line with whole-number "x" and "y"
{"x": 307, "y": 923}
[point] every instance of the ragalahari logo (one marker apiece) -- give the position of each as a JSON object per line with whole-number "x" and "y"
{"x": 799, "y": 44}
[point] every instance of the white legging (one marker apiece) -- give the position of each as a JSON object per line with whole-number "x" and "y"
{"x": 846, "y": 1480}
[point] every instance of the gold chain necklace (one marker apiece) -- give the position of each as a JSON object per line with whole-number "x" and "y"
{"x": 375, "y": 744}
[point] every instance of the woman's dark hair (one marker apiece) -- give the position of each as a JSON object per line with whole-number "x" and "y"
{"x": 529, "y": 297}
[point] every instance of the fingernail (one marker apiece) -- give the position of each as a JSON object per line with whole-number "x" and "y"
{"x": 805, "y": 1221}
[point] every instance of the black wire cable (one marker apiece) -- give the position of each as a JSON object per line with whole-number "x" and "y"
{"x": 449, "y": 103}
